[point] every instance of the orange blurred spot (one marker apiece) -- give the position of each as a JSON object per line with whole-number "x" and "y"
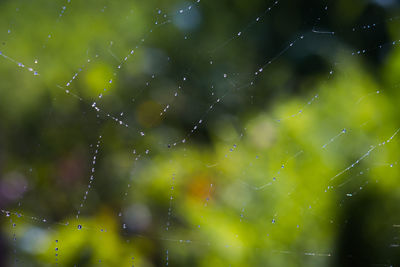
{"x": 200, "y": 188}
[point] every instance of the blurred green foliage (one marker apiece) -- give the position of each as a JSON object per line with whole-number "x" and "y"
{"x": 294, "y": 166}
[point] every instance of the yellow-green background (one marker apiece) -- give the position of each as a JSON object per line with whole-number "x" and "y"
{"x": 223, "y": 210}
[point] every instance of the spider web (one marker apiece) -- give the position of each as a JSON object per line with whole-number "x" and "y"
{"x": 207, "y": 133}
